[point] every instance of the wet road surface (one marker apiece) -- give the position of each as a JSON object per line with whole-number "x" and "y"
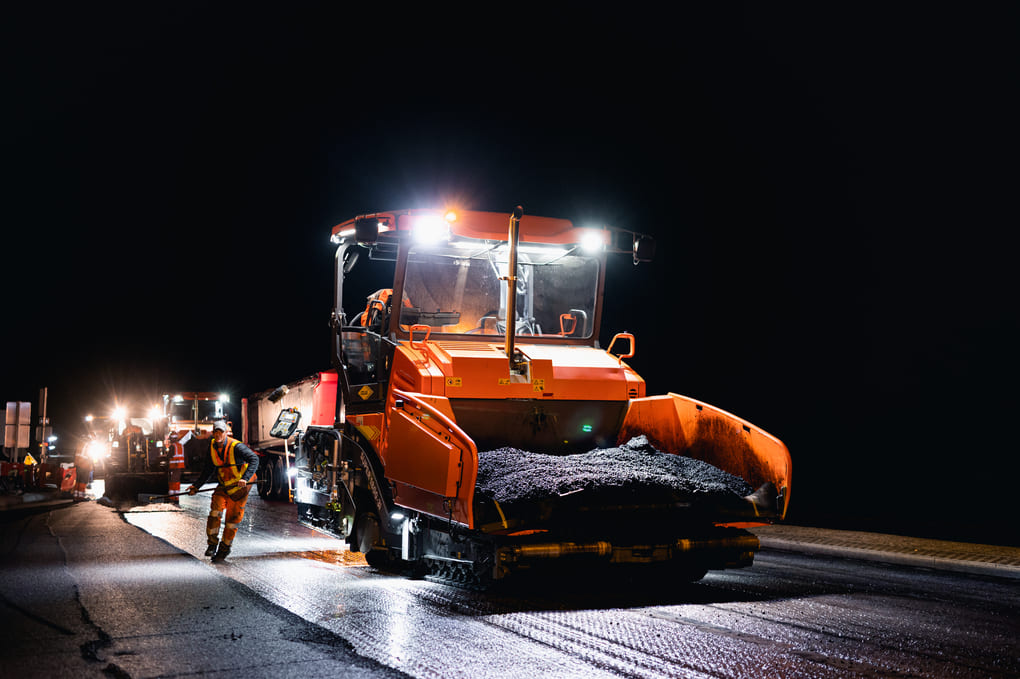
{"x": 85, "y": 594}
{"x": 790, "y": 615}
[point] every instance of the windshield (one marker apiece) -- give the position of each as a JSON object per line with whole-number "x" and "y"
{"x": 184, "y": 410}
{"x": 143, "y": 423}
{"x": 460, "y": 287}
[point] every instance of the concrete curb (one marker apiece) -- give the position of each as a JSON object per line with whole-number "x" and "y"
{"x": 920, "y": 560}
{"x": 32, "y": 500}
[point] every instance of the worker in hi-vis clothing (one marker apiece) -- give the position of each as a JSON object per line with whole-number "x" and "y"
{"x": 83, "y": 470}
{"x": 234, "y": 465}
{"x": 175, "y": 464}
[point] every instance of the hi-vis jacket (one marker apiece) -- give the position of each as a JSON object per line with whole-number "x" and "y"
{"x": 176, "y": 460}
{"x": 230, "y": 463}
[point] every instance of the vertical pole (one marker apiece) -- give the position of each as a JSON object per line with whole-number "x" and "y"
{"x": 44, "y": 443}
{"x": 511, "y": 285}
{"x": 244, "y": 421}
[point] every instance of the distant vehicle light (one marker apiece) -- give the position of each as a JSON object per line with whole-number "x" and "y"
{"x": 155, "y": 412}
{"x": 178, "y": 399}
{"x": 119, "y": 413}
{"x": 97, "y": 450}
{"x": 89, "y": 418}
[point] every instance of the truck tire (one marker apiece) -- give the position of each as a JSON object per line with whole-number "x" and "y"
{"x": 114, "y": 487}
{"x": 366, "y": 532}
{"x": 280, "y": 491}
{"x": 267, "y": 473}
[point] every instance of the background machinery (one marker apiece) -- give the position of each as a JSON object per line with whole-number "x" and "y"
{"x": 128, "y": 446}
{"x": 127, "y": 450}
{"x": 195, "y": 412}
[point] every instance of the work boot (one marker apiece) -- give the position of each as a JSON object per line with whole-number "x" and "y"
{"x": 221, "y": 553}
{"x": 211, "y": 549}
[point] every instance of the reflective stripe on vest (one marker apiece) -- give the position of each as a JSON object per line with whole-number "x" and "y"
{"x": 228, "y": 471}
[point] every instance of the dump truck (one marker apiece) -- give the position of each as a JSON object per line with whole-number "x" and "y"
{"x": 195, "y": 412}
{"x": 472, "y": 418}
{"x": 306, "y": 400}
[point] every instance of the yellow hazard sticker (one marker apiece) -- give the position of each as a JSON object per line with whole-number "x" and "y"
{"x": 370, "y": 432}
{"x": 454, "y": 382}
{"x": 538, "y": 385}
{"x": 365, "y": 392}
{"x": 504, "y": 381}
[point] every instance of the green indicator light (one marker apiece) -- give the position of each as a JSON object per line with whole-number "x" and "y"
{"x": 586, "y": 428}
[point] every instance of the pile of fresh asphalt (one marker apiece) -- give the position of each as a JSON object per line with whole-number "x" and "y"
{"x": 511, "y": 475}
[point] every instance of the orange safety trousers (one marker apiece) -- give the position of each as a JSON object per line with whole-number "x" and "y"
{"x": 80, "y": 482}
{"x": 174, "y": 483}
{"x": 233, "y": 507}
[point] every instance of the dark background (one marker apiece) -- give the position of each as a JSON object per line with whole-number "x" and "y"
{"x": 831, "y": 189}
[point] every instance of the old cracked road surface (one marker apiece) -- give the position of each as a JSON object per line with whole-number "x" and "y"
{"x": 85, "y": 594}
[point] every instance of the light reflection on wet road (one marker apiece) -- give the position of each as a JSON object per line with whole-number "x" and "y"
{"x": 789, "y": 615}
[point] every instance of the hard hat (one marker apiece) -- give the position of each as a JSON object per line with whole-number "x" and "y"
{"x": 221, "y": 425}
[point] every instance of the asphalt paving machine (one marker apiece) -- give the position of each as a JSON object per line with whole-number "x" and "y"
{"x": 486, "y": 340}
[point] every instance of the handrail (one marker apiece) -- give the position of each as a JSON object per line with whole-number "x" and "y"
{"x": 420, "y": 327}
{"x": 624, "y": 335}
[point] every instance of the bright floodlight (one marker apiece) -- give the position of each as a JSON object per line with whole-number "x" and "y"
{"x": 592, "y": 242}
{"x": 119, "y": 413}
{"x": 155, "y": 412}
{"x": 224, "y": 398}
{"x": 97, "y": 450}
{"x": 89, "y": 418}
{"x": 431, "y": 230}
{"x": 178, "y": 398}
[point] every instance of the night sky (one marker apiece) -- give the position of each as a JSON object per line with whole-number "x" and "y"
{"x": 832, "y": 191}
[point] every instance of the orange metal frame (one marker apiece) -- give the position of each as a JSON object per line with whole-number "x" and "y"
{"x": 432, "y": 463}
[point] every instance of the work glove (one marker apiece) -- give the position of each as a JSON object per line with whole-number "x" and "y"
{"x": 192, "y": 490}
